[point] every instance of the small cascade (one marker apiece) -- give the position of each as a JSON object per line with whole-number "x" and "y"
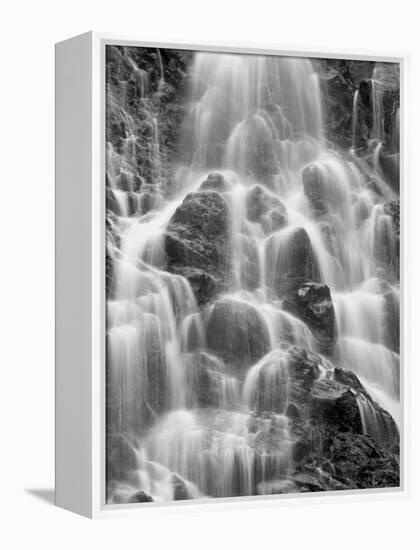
{"x": 241, "y": 274}
{"x": 375, "y": 422}
{"x": 266, "y": 384}
{"x": 354, "y": 119}
{"x": 377, "y": 107}
{"x": 375, "y": 365}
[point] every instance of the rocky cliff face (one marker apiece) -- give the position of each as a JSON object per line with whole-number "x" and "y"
{"x": 145, "y": 102}
{"x": 361, "y": 110}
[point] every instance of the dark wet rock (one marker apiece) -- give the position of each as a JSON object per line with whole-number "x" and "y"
{"x": 309, "y": 482}
{"x": 140, "y": 496}
{"x": 181, "y": 491}
{"x": 348, "y": 378}
{"x": 302, "y": 446}
{"x": 345, "y": 460}
{"x": 265, "y": 208}
{"x": 311, "y": 302}
{"x": 361, "y": 463}
{"x": 121, "y": 458}
{"x": 290, "y": 256}
{"x": 215, "y": 182}
{"x": 335, "y": 404}
{"x": 237, "y": 332}
{"x": 304, "y": 369}
{"x": 339, "y": 100}
{"x": 197, "y": 243}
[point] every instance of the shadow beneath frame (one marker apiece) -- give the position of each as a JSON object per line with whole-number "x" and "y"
{"x": 47, "y": 495}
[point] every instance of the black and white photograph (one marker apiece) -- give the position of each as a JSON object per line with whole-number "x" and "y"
{"x": 252, "y": 274}
{"x": 210, "y": 273}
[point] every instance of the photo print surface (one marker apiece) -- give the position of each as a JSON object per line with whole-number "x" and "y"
{"x": 252, "y": 275}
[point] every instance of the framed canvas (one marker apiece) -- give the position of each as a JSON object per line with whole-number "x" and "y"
{"x": 229, "y": 275}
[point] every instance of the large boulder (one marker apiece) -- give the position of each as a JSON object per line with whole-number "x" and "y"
{"x": 334, "y": 404}
{"x": 237, "y": 332}
{"x": 311, "y": 302}
{"x": 197, "y": 243}
{"x": 290, "y": 255}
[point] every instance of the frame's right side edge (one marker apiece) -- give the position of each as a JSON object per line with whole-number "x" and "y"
{"x": 405, "y": 246}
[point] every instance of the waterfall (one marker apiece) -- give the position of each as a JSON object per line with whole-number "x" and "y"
{"x": 202, "y": 380}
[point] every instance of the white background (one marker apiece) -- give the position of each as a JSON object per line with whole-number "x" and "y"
{"x": 28, "y": 32}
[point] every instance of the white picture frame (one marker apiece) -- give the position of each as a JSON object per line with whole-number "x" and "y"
{"x": 80, "y": 278}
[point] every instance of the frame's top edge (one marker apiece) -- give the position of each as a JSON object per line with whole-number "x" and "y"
{"x": 82, "y": 35}
{"x": 253, "y": 47}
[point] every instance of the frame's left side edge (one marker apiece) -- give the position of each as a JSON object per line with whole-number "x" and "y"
{"x": 98, "y": 273}
{"x": 73, "y": 252}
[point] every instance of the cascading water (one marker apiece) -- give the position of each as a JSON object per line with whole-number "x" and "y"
{"x": 203, "y": 391}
